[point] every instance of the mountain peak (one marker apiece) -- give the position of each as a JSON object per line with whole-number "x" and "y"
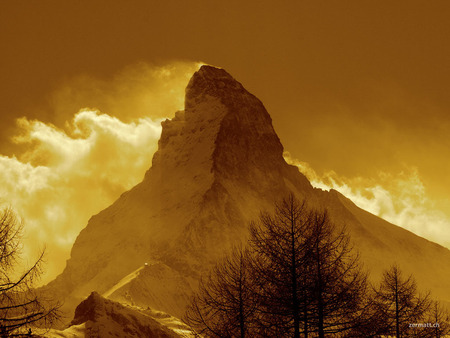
{"x": 211, "y": 73}
{"x": 211, "y": 81}
{"x": 224, "y": 129}
{"x": 210, "y": 76}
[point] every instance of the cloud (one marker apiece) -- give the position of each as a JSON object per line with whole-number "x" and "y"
{"x": 400, "y": 199}
{"x": 68, "y": 175}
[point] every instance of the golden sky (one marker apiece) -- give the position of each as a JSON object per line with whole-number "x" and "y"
{"x": 358, "y": 92}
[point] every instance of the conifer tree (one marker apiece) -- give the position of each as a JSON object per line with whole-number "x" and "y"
{"x": 399, "y": 303}
{"x": 310, "y": 279}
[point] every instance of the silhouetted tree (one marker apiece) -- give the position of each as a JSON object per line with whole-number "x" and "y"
{"x": 20, "y": 305}
{"x": 280, "y": 267}
{"x": 339, "y": 284}
{"x": 299, "y": 276}
{"x": 225, "y": 304}
{"x": 399, "y": 303}
{"x": 309, "y": 279}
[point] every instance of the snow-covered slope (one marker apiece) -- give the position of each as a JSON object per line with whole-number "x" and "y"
{"x": 219, "y": 162}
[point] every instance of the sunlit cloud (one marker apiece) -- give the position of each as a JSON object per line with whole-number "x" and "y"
{"x": 400, "y": 199}
{"x": 68, "y": 175}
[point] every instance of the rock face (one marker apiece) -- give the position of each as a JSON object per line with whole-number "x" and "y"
{"x": 104, "y": 318}
{"x": 219, "y": 163}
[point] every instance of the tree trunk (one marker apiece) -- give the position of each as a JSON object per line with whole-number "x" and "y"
{"x": 295, "y": 304}
{"x": 319, "y": 295}
{"x": 397, "y": 325}
{"x": 241, "y": 302}
{"x": 305, "y": 318}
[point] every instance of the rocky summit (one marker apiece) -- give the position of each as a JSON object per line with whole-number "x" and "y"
{"x": 219, "y": 163}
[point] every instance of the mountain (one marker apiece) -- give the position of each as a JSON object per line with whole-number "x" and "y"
{"x": 219, "y": 163}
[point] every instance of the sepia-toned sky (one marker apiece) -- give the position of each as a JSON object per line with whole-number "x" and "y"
{"x": 359, "y": 94}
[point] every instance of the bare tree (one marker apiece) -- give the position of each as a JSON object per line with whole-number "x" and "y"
{"x": 21, "y": 308}
{"x": 225, "y": 304}
{"x": 309, "y": 279}
{"x": 280, "y": 266}
{"x": 299, "y": 276}
{"x": 399, "y": 303}
{"x": 339, "y": 283}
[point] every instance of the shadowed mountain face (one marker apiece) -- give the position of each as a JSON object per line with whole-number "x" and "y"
{"x": 219, "y": 163}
